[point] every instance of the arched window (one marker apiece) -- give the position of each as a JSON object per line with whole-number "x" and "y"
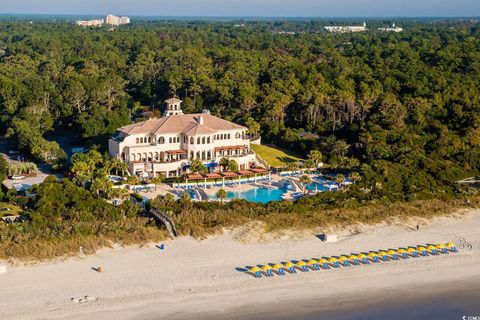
{"x": 209, "y": 155}
{"x": 178, "y": 139}
{"x": 161, "y": 140}
{"x": 170, "y": 140}
{"x": 208, "y": 139}
{"x": 138, "y": 140}
{"x": 203, "y": 155}
{"x": 191, "y": 155}
{"x": 228, "y": 136}
{"x": 198, "y": 140}
{"x": 192, "y": 141}
{"x": 149, "y": 139}
{"x": 198, "y": 154}
{"x": 203, "y": 140}
{"x": 237, "y": 135}
{"x": 141, "y": 140}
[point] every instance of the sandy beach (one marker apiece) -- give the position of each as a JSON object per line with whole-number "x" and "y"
{"x": 193, "y": 279}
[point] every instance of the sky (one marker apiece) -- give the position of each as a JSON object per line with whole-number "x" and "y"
{"x": 246, "y": 8}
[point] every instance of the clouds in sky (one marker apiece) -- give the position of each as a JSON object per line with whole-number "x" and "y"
{"x": 268, "y": 8}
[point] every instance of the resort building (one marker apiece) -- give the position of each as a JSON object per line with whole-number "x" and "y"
{"x": 345, "y": 29}
{"x": 116, "y": 21}
{"x": 392, "y": 28}
{"x": 90, "y": 23}
{"x": 167, "y": 145}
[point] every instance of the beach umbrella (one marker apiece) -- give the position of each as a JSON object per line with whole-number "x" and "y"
{"x": 267, "y": 270}
{"x": 312, "y": 263}
{"x": 354, "y": 259}
{"x": 393, "y": 254}
{"x": 451, "y": 246}
{"x": 255, "y": 271}
{"x": 364, "y": 258}
{"x": 324, "y": 263}
{"x": 334, "y": 262}
{"x": 442, "y": 248}
{"x": 373, "y": 256}
{"x": 403, "y": 253}
{"x": 290, "y": 267}
{"x": 422, "y": 250}
{"x": 279, "y": 269}
{"x": 302, "y": 265}
{"x": 384, "y": 255}
{"x": 432, "y": 249}
{"x": 413, "y": 252}
{"x": 345, "y": 261}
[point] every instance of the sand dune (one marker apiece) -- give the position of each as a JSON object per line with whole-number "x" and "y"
{"x": 198, "y": 279}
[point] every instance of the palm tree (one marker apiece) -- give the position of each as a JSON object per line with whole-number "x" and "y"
{"x": 340, "y": 179}
{"x": 224, "y": 163}
{"x": 305, "y": 180}
{"x": 355, "y": 176}
{"x": 221, "y": 194}
{"x": 316, "y": 156}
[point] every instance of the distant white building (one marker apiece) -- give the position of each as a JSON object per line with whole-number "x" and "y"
{"x": 116, "y": 21}
{"x": 392, "y": 28}
{"x": 345, "y": 29}
{"x": 90, "y": 23}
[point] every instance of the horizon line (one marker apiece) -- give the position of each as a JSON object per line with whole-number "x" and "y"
{"x": 236, "y": 17}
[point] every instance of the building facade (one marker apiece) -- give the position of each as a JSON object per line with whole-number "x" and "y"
{"x": 345, "y": 29}
{"x": 116, "y": 21}
{"x": 166, "y": 146}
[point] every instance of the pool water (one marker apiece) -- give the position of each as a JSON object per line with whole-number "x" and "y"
{"x": 259, "y": 195}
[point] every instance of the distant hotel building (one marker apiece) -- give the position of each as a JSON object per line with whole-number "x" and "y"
{"x": 116, "y": 21}
{"x": 345, "y": 29}
{"x": 167, "y": 146}
{"x": 109, "y": 20}
{"x": 392, "y": 28}
{"x": 90, "y": 23}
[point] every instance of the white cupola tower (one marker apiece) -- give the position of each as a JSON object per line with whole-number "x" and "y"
{"x": 174, "y": 107}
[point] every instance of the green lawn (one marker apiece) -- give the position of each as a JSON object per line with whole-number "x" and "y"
{"x": 14, "y": 210}
{"x": 274, "y": 156}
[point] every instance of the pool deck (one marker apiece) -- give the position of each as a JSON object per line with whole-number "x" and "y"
{"x": 275, "y": 182}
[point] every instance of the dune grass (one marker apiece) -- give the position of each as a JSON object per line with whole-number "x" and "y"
{"x": 14, "y": 210}
{"x": 275, "y": 157}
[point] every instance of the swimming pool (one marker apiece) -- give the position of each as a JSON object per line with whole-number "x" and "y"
{"x": 259, "y": 195}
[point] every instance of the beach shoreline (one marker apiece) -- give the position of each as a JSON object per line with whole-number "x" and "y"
{"x": 200, "y": 279}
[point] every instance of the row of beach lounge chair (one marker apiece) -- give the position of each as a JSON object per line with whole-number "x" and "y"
{"x": 325, "y": 263}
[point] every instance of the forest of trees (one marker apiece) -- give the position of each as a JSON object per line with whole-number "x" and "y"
{"x": 406, "y": 105}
